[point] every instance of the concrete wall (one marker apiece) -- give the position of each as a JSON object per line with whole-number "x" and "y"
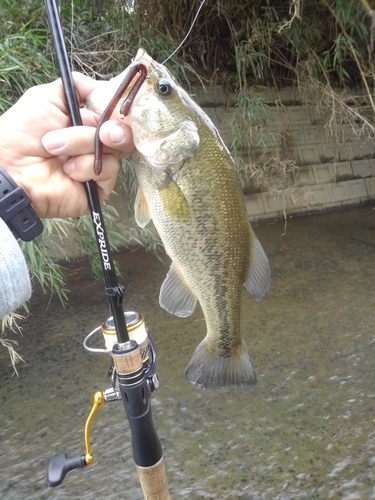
{"x": 333, "y": 171}
{"x": 335, "y": 168}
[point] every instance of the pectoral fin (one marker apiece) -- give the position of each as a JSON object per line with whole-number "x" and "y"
{"x": 141, "y": 210}
{"x": 175, "y": 296}
{"x": 174, "y": 202}
{"x": 259, "y": 277}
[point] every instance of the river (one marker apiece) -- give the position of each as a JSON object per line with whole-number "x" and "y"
{"x": 307, "y": 431}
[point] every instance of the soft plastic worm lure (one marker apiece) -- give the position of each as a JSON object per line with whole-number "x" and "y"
{"x": 136, "y": 70}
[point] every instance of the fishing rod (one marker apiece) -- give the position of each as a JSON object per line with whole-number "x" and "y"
{"x": 132, "y": 370}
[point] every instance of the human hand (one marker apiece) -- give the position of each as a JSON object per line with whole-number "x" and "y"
{"x": 50, "y": 159}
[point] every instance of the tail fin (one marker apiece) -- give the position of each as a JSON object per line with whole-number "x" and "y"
{"x": 208, "y": 372}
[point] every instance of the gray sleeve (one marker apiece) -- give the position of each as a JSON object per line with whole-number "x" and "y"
{"x": 15, "y": 287}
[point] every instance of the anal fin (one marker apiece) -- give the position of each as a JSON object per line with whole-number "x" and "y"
{"x": 259, "y": 278}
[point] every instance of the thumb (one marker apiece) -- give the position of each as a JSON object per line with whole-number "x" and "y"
{"x": 117, "y": 135}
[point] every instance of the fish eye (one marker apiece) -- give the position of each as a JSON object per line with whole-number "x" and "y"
{"x": 164, "y": 88}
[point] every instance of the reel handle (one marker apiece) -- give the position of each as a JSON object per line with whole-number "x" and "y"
{"x": 60, "y": 465}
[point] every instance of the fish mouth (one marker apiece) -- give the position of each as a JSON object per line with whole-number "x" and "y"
{"x": 143, "y": 58}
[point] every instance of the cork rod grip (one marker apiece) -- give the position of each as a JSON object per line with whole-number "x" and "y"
{"x": 136, "y": 398}
{"x": 154, "y": 481}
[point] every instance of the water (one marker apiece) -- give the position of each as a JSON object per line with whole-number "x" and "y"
{"x": 307, "y": 431}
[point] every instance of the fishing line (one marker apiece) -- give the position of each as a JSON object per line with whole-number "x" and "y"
{"x": 187, "y": 34}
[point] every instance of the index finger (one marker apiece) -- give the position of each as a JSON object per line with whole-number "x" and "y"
{"x": 85, "y": 85}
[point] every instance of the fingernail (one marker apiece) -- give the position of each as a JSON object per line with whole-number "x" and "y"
{"x": 117, "y": 134}
{"x": 54, "y": 140}
{"x": 69, "y": 167}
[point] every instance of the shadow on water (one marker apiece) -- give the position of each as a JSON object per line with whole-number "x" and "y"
{"x": 306, "y": 431}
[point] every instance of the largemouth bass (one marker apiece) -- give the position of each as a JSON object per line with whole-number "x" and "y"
{"x": 188, "y": 187}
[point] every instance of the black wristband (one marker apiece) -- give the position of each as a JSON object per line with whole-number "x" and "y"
{"x": 16, "y": 209}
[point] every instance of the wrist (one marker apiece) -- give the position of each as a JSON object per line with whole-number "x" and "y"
{"x": 16, "y": 209}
